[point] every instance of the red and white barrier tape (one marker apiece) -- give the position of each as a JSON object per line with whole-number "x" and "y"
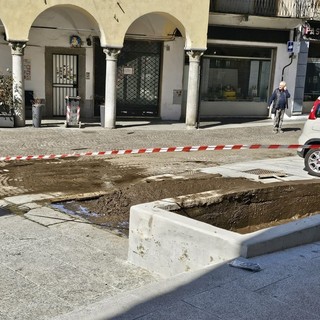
{"x": 162, "y": 150}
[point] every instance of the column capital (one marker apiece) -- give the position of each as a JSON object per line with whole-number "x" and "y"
{"x": 111, "y": 53}
{"x": 17, "y": 47}
{"x": 194, "y": 55}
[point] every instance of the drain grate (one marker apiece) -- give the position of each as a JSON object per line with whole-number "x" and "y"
{"x": 265, "y": 174}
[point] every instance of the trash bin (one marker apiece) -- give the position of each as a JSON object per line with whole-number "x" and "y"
{"x": 73, "y": 112}
{"x": 37, "y": 114}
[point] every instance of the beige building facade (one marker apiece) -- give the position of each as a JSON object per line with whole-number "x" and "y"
{"x": 106, "y": 52}
{"x": 167, "y": 60}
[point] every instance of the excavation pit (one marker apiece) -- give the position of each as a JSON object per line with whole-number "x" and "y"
{"x": 190, "y": 232}
{"x": 252, "y": 210}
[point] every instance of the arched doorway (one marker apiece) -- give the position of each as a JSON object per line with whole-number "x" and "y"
{"x": 60, "y": 58}
{"x": 143, "y": 68}
{"x": 138, "y": 78}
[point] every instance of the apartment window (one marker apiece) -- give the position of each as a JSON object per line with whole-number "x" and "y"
{"x": 232, "y": 73}
{"x": 253, "y": 7}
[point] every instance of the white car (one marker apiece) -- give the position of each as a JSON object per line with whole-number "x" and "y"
{"x": 311, "y": 136}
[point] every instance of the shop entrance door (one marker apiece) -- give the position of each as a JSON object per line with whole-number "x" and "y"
{"x": 65, "y": 76}
{"x": 64, "y": 82}
{"x": 138, "y": 79}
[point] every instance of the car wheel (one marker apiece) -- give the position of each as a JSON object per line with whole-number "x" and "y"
{"x": 312, "y": 162}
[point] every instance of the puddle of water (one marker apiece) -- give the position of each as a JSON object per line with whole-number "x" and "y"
{"x": 4, "y": 212}
{"x": 62, "y": 208}
{"x": 80, "y": 211}
{"x": 72, "y": 208}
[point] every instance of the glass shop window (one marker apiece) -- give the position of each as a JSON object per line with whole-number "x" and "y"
{"x": 312, "y": 83}
{"x": 235, "y": 74}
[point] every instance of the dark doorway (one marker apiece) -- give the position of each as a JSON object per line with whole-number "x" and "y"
{"x": 99, "y": 75}
{"x": 65, "y": 76}
{"x": 138, "y": 78}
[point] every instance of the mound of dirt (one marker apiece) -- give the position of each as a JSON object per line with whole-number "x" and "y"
{"x": 113, "y": 208}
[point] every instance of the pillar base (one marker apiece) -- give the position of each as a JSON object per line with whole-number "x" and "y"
{"x": 191, "y": 127}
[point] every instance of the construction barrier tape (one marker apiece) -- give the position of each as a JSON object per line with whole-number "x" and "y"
{"x": 162, "y": 150}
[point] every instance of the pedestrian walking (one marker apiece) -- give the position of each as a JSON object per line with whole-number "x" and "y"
{"x": 279, "y": 101}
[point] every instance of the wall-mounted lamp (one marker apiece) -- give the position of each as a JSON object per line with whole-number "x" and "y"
{"x": 89, "y": 41}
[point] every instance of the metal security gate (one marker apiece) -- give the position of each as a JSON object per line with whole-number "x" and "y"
{"x": 138, "y": 79}
{"x": 65, "y": 81}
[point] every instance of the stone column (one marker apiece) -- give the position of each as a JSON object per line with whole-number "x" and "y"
{"x": 193, "y": 88}
{"x": 110, "y": 89}
{"x": 17, "y": 52}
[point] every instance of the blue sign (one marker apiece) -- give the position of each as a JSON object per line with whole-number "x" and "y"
{"x": 290, "y": 46}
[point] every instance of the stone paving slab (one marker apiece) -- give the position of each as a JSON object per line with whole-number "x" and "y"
{"x": 22, "y": 298}
{"x": 292, "y": 166}
{"x": 46, "y": 270}
{"x": 233, "y": 302}
{"x": 224, "y": 292}
{"x": 28, "y": 198}
{"x": 47, "y": 216}
{"x": 93, "y": 237}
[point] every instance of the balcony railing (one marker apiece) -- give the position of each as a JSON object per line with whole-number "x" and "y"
{"x": 270, "y": 8}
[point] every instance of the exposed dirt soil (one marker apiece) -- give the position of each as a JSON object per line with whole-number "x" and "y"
{"x": 255, "y": 209}
{"x": 113, "y": 208}
{"x": 103, "y": 191}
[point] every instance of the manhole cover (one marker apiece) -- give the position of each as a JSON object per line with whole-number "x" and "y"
{"x": 264, "y": 174}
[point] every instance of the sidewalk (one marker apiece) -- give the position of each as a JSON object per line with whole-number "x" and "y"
{"x": 54, "y": 138}
{"x": 55, "y": 266}
{"x": 218, "y": 123}
{"x": 286, "y": 287}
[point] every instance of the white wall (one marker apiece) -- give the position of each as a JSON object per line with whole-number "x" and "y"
{"x": 35, "y": 56}
{"x": 172, "y": 74}
{"x": 88, "y": 103}
{"x": 5, "y": 57}
{"x": 289, "y": 76}
{"x": 89, "y": 70}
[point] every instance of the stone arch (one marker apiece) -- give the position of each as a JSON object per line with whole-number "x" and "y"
{"x": 4, "y": 26}
{"x": 192, "y": 39}
{"x": 113, "y": 19}
{"x": 27, "y": 17}
{"x": 155, "y": 25}
{"x": 67, "y": 17}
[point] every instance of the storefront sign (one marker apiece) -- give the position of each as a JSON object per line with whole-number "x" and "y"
{"x": 128, "y": 71}
{"x": 311, "y": 30}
